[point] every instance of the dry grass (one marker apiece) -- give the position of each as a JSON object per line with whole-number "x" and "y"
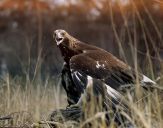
{"x": 27, "y": 103}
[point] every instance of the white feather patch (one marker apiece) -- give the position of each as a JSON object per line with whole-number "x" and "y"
{"x": 90, "y": 81}
{"x": 98, "y": 65}
{"x": 147, "y": 80}
{"x": 77, "y": 76}
{"x": 112, "y": 92}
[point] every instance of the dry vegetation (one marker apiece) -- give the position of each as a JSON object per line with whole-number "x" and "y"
{"x": 134, "y": 31}
{"x": 31, "y": 104}
{"x": 24, "y": 103}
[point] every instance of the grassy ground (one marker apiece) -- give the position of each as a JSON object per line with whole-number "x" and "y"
{"x": 26, "y": 103}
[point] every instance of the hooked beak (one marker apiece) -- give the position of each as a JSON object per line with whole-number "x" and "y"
{"x": 58, "y": 37}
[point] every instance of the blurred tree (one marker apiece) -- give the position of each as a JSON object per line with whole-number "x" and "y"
{"x": 111, "y": 24}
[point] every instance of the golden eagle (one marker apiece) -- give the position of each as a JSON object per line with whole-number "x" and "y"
{"x": 86, "y": 64}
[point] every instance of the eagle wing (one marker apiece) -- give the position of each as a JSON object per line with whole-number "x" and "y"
{"x": 93, "y": 67}
{"x": 105, "y": 72}
{"x": 102, "y": 66}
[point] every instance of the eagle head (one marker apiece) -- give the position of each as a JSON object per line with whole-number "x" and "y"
{"x": 62, "y": 37}
{"x": 65, "y": 42}
{"x": 59, "y": 36}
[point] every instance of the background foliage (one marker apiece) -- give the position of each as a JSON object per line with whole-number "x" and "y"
{"x": 127, "y": 29}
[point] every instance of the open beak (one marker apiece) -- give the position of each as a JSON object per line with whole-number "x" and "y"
{"x": 58, "y": 38}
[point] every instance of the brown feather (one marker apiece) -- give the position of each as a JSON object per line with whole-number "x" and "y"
{"x": 89, "y": 60}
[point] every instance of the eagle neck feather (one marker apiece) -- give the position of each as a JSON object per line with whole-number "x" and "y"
{"x": 73, "y": 42}
{"x": 69, "y": 51}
